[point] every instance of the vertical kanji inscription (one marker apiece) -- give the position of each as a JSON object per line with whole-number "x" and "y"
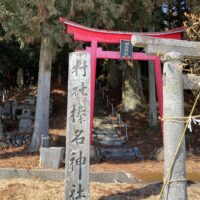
{"x": 78, "y": 127}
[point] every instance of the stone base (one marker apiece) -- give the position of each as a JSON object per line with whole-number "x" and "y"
{"x": 160, "y": 154}
{"x": 51, "y": 157}
{"x": 94, "y": 155}
{"x": 58, "y": 175}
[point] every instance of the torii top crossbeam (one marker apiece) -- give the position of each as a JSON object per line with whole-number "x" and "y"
{"x": 96, "y": 36}
{"x": 87, "y": 34}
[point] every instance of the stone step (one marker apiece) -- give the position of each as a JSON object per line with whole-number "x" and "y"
{"x": 109, "y": 134}
{"x": 105, "y": 119}
{"x": 120, "y": 155}
{"x": 116, "y": 150}
{"x": 102, "y": 124}
{"x": 101, "y": 112}
{"x": 101, "y": 140}
{"x": 99, "y": 107}
{"x": 113, "y": 138}
{"x": 106, "y": 123}
{"x": 105, "y": 132}
{"x": 110, "y": 143}
{"x": 106, "y": 129}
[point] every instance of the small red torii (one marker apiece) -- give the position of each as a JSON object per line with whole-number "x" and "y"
{"x": 95, "y": 36}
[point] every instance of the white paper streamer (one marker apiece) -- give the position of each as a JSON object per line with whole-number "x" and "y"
{"x": 194, "y": 120}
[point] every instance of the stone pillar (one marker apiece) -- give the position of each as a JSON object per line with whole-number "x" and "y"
{"x": 174, "y": 107}
{"x": 78, "y": 127}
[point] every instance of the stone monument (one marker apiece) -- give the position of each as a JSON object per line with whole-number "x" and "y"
{"x": 78, "y": 127}
{"x": 25, "y": 123}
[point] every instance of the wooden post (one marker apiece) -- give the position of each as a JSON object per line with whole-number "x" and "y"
{"x": 78, "y": 127}
{"x": 174, "y": 107}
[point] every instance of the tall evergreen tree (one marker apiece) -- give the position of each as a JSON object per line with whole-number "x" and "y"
{"x": 133, "y": 20}
{"x": 194, "y": 6}
{"x": 30, "y": 20}
{"x": 102, "y": 14}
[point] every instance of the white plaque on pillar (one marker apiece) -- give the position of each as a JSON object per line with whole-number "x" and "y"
{"x": 78, "y": 127}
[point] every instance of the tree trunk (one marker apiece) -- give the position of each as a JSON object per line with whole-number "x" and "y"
{"x": 59, "y": 75}
{"x": 153, "y": 122}
{"x": 153, "y": 119}
{"x": 131, "y": 98}
{"x": 113, "y": 74}
{"x": 41, "y": 125}
{"x": 140, "y": 87}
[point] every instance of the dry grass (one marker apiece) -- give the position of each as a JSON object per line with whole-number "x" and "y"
{"x": 148, "y": 170}
{"x": 21, "y": 189}
{"x": 19, "y": 158}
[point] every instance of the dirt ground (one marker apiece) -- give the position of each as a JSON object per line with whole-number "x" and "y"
{"x": 21, "y": 189}
{"x": 145, "y": 171}
{"x": 146, "y": 139}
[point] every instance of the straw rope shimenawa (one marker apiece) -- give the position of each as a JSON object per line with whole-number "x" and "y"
{"x": 178, "y": 119}
{"x": 166, "y": 180}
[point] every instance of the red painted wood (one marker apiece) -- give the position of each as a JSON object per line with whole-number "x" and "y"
{"x": 159, "y": 85}
{"x": 93, "y": 51}
{"x": 95, "y": 36}
{"x": 113, "y": 38}
{"x": 141, "y": 57}
{"x": 116, "y": 55}
{"x": 83, "y": 33}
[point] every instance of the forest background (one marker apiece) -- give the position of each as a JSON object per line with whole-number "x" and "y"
{"x": 32, "y": 39}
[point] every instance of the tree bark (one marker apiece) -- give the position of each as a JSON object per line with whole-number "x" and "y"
{"x": 153, "y": 121}
{"x": 41, "y": 125}
{"x": 140, "y": 87}
{"x": 131, "y": 98}
{"x": 59, "y": 75}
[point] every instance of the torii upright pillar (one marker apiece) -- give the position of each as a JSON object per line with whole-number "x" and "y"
{"x": 93, "y": 51}
{"x": 173, "y": 106}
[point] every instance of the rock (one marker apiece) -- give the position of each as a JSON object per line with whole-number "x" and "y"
{"x": 31, "y": 100}
{"x": 160, "y": 154}
{"x": 27, "y": 139}
{"x": 19, "y": 142}
{"x": 16, "y": 145}
{"x": 8, "y": 137}
{"x": 2, "y": 134}
{"x": 25, "y": 123}
{"x": 21, "y": 137}
{"x": 20, "y": 79}
{"x": 3, "y": 145}
{"x": 95, "y": 156}
{"x": 51, "y": 157}
{"x": 6, "y": 110}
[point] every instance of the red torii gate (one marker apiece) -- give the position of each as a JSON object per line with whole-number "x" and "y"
{"x": 95, "y": 36}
